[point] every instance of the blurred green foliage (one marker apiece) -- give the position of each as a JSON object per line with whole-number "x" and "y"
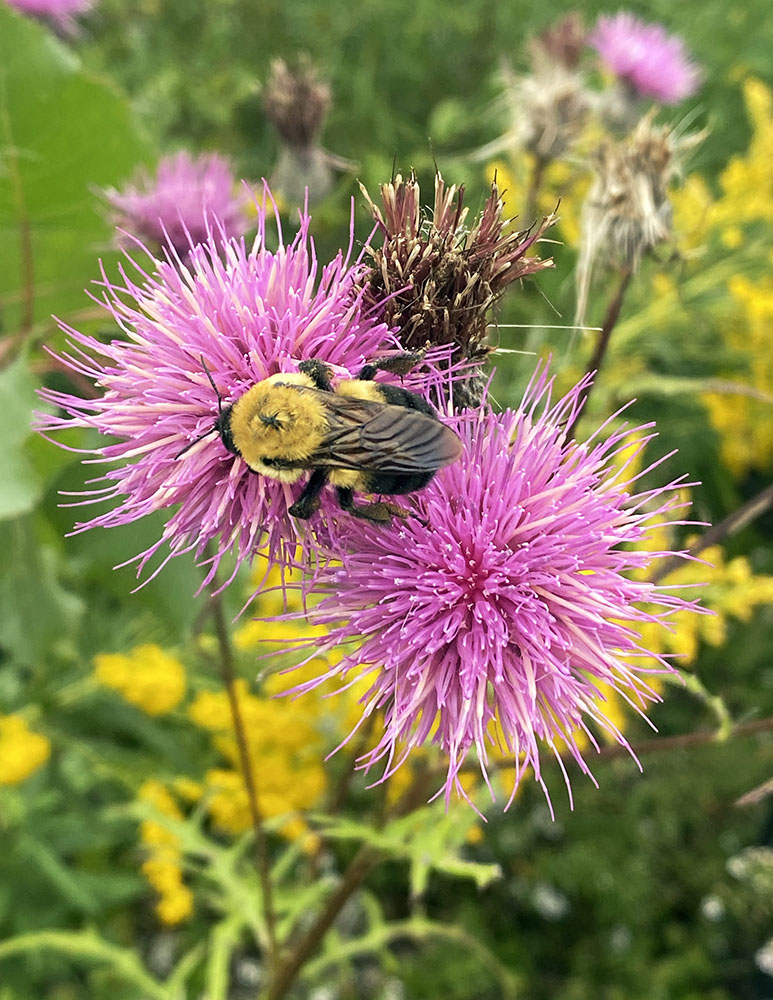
{"x": 636, "y": 894}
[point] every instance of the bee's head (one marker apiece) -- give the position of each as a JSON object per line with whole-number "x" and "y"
{"x": 223, "y": 428}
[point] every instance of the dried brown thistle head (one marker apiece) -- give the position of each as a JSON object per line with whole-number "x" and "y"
{"x": 296, "y": 102}
{"x": 434, "y": 280}
{"x": 563, "y": 42}
{"x": 627, "y": 211}
{"x": 549, "y": 106}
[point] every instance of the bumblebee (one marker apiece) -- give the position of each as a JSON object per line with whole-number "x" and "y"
{"x": 358, "y": 435}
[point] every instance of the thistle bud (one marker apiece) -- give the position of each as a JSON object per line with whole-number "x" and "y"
{"x": 563, "y": 41}
{"x": 296, "y": 103}
{"x": 627, "y": 211}
{"x": 435, "y": 280}
{"x": 549, "y": 106}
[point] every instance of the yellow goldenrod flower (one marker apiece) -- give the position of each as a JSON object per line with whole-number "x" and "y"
{"x": 285, "y": 745}
{"x": 176, "y": 905}
{"x": 146, "y": 676}
{"x": 163, "y": 864}
{"x": 22, "y": 752}
{"x": 187, "y": 789}
{"x": 746, "y": 423}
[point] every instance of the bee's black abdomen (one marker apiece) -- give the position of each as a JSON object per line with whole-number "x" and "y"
{"x": 397, "y": 396}
{"x": 391, "y": 482}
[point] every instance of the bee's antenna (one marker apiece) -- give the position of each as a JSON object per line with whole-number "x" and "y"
{"x": 212, "y": 383}
{"x": 195, "y": 441}
{"x": 219, "y": 410}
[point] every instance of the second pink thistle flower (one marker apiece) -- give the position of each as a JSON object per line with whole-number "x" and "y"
{"x": 646, "y": 57}
{"x": 492, "y": 620}
{"x": 188, "y": 197}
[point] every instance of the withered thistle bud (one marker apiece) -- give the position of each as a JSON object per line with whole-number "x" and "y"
{"x": 627, "y": 211}
{"x": 435, "y": 280}
{"x": 297, "y": 103}
{"x": 563, "y": 41}
{"x": 548, "y": 107}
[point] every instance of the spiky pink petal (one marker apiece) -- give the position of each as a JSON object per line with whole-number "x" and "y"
{"x": 181, "y": 204}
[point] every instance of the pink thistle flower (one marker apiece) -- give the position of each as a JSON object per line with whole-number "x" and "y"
{"x": 180, "y": 205}
{"x": 653, "y": 62}
{"x": 246, "y": 314}
{"x": 60, "y": 13}
{"x": 490, "y": 619}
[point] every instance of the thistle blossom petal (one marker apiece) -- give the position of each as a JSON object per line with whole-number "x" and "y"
{"x": 245, "y": 313}
{"x": 655, "y": 63}
{"x": 494, "y": 619}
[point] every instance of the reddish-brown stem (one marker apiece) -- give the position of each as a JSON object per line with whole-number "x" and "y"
{"x": 364, "y": 861}
{"x": 362, "y": 864}
{"x": 261, "y": 847}
{"x": 595, "y": 363}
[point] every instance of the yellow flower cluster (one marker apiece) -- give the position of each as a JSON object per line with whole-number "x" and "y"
{"x": 163, "y": 865}
{"x": 747, "y": 181}
{"x": 731, "y": 590}
{"x": 22, "y": 752}
{"x": 745, "y": 422}
{"x": 285, "y": 747}
{"x": 726, "y": 589}
{"x": 146, "y": 676}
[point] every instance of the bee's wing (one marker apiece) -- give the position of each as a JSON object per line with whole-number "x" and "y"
{"x": 381, "y": 437}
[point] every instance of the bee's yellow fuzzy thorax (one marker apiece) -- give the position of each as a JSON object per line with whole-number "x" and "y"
{"x": 274, "y": 420}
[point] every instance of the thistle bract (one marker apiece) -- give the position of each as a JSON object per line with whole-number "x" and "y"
{"x": 435, "y": 280}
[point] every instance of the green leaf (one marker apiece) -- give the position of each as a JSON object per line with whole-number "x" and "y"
{"x": 430, "y": 839}
{"x": 58, "y": 874}
{"x": 63, "y": 134}
{"x": 88, "y": 945}
{"x": 419, "y": 930}
{"x": 35, "y": 610}
{"x": 20, "y": 484}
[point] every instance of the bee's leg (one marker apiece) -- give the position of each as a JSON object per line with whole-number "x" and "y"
{"x": 380, "y": 512}
{"x": 308, "y": 502}
{"x": 318, "y": 372}
{"x": 399, "y": 364}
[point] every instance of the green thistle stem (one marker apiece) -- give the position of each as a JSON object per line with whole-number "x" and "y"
{"x": 261, "y": 846}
